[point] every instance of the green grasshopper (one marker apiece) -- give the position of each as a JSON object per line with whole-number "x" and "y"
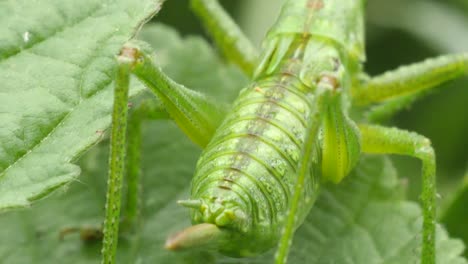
{"x": 290, "y": 130}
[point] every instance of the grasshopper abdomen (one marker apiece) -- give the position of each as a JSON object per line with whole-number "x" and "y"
{"x": 249, "y": 168}
{"x": 247, "y": 176}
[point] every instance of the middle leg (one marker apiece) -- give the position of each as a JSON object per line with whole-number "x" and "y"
{"x": 226, "y": 34}
{"x": 397, "y": 89}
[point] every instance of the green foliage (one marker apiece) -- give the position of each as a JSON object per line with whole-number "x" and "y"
{"x": 363, "y": 220}
{"x": 455, "y": 215}
{"x": 56, "y": 67}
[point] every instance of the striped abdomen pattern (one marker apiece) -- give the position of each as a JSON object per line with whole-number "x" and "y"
{"x": 251, "y": 163}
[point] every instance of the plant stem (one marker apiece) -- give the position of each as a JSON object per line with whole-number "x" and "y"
{"x": 116, "y": 160}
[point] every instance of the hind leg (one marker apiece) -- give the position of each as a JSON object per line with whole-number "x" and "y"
{"x": 383, "y": 140}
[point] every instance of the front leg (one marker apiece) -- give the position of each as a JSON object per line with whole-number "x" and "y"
{"x": 197, "y": 116}
{"x": 226, "y": 34}
{"x": 382, "y": 140}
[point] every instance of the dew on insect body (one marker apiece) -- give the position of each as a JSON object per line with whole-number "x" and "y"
{"x": 262, "y": 180}
{"x": 238, "y": 158}
{"x": 296, "y": 131}
{"x": 293, "y": 153}
{"x": 274, "y": 94}
{"x": 220, "y": 162}
{"x": 429, "y": 208}
{"x": 219, "y": 148}
{"x": 26, "y": 36}
{"x": 279, "y": 166}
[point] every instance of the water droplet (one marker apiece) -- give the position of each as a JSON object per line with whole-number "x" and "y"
{"x": 293, "y": 153}
{"x": 295, "y": 131}
{"x": 219, "y": 148}
{"x": 279, "y": 166}
{"x": 26, "y": 36}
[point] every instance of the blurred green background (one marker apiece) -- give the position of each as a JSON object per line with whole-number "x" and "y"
{"x": 398, "y": 32}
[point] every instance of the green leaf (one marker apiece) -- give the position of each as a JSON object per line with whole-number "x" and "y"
{"x": 365, "y": 219}
{"x": 447, "y": 24}
{"x": 57, "y": 66}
